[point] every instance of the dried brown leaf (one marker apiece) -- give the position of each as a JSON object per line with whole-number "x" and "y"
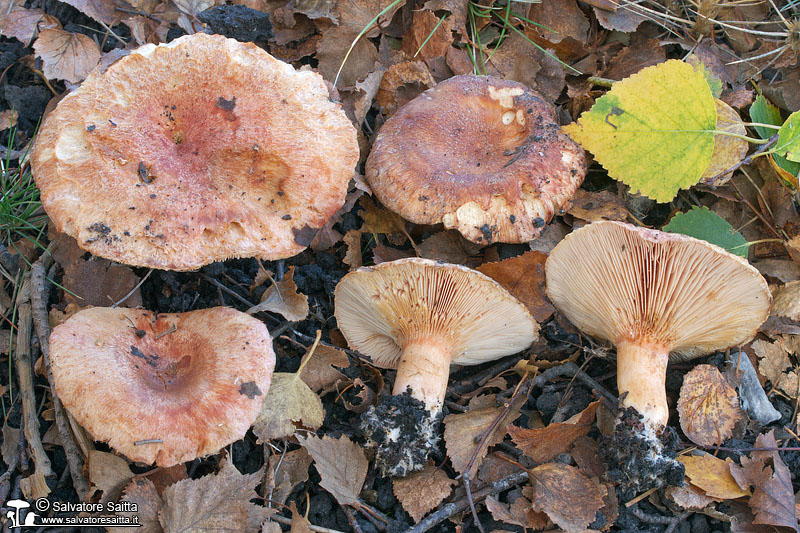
{"x": 598, "y": 205}
{"x": 545, "y": 444}
{"x": 586, "y": 453}
{"x": 9, "y": 448}
{"x": 352, "y": 257}
{"x": 523, "y": 277}
{"x": 142, "y": 493}
{"x": 773, "y": 360}
{"x": 773, "y": 498}
{"x": 341, "y": 464}
{"x": 216, "y": 502}
{"x": 285, "y": 472}
{"x": 422, "y": 491}
{"x": 708, "y": 406}
{"x": 687, "y": 496}
{"x": 448, "y": 246}
{"x": 104, "y": 11}
{"x": 713, "y": 476}
{"x": 282, "y": 297}
{"x": 569, "y": 498}
{"x": 401, "y": 83}
{"x": 563, "y": 17}
{"x": 8, "y": 119}
{"x": 66, "y": 56}
{"x": 379, "y": 220}
{"x": 319, "y": 373}
{"x": 790, "y": 384}
{"x": 624, "y": 20}
{"x": 108, "y": 474}
{"x": 464, "y": 432}
{"x": 786, "y": 301}
{"x": 426, "y": 28}
{"x": 23, "y": 24}
{"x": 289, "y": 400}
{"x": 728, "y": 150}
{"x": 515, "y": 514}
{"x": 299, "y": 523}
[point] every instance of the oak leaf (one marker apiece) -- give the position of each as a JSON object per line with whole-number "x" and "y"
{"x": 422, "y": 491}
{"x": 708, "y": 406}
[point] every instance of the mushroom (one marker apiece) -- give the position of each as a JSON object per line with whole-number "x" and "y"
{"x": 482, "y": 155}
{"x": 195, "y": 151}
{"x": 658, "y": 297}
{"x": 420, "y": 316}
{"x": 163, "y": 388}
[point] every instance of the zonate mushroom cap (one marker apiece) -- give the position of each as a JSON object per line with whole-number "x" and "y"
{"x": 482, "y": 155}
{"x": 195, "y": 151}
{"x": 381, "y": 309}
{"x": 163, "y": 388}
{"x": 628, "y": 284}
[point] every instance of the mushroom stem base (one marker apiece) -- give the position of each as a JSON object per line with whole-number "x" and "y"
{"x": 642, "y": 373}
{"x": 424, "y": 367}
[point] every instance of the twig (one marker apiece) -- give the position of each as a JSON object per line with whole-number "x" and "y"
{"x": 570, "y": 369}
{"x": 117, "y": 303}
{"x": 746, "y": 161}
{"x": 25, "y": 378}
{"x": 351, "y": 517}
{"x": 461, "y": 504}
{"x": 471, "y": 501}
{"x": 40, "y": 290}
{"x": 670, "y": 521}
{"x": 288, "y": 521}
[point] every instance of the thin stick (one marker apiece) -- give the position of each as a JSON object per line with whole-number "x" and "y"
{"x": 116, "y": 304}
{"x": 40, "y": 289}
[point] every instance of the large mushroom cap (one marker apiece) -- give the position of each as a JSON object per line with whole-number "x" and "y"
{"x": 622, "y": 283}
{"x": 380, "y": 308}
{"x": 195, "y": 151}
{"x": 166, "y": 388}
{"x": 480, "y": 154}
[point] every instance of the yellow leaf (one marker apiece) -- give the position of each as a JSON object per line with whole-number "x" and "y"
{"x": 713, "y": 476}
{"x": 653, "y": 131}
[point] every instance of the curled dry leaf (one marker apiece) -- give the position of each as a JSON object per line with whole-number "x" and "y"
{"x": 142, "y": 492}
{"x": 569, "y": 498}
{"x": 216, "y": 502}
{"x": 422, "y": 491}
{"x": 401, "y": 83}
{"x": 514, "y": 514}
{"x": 282, "y": 297}
{"x": 708, "y": 406}
{"x": 289, "y": 400}
{"x": 773, "y": 360}
{"x": 545, "y": 444}
{"x": 712, "y": 476}
{"x": 523, "y": 277}
{"x": 687, "y": 496}
{"x": 108, "y": 474}
{"x": 772, "y": 501}
{"x": 728, "y": 151}
{"x": 464, "y": 432}
{"x": 319, "y": 373}
{"x": 352, "y": 257}
{"x": 285, "y": 471}
{"x": 66, "y": 56}
{"x": 341, "y": 464}
{"x": 448, "y": 246}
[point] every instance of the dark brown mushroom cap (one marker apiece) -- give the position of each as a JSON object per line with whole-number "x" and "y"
{"x": 193, "y": 381}
{"x": 627, "y": 284}
{"x": 381, "y": 308}
{"x": 483, "y": 155}
{"x": 195, "y": 151}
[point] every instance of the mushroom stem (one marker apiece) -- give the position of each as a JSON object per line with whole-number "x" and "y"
{"x": 642, "y": 373}
{"x": 424, "y": 367}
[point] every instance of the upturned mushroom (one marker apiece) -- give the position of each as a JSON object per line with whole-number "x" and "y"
{"x": 186, "y": 153}
{"x": 163, "y": 388}
{"x": 658, "y": 297}
{"x": 482, "y": 155}
{"x": 420, "y": 316}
